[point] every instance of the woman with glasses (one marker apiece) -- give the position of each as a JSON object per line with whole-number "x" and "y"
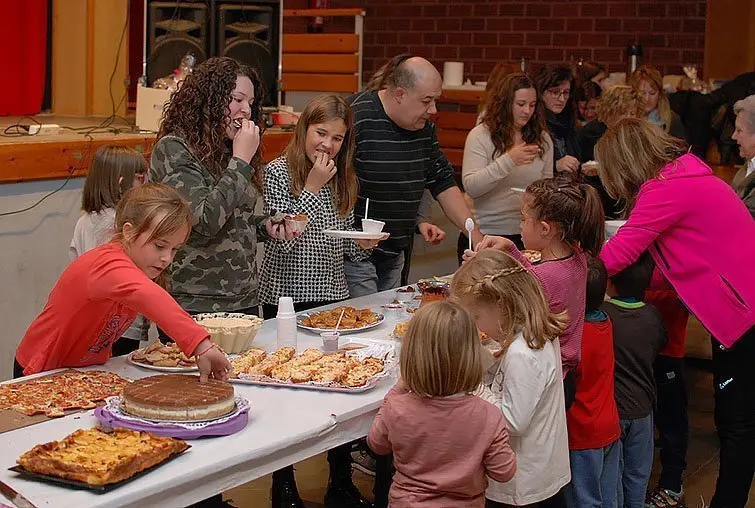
{"x": 554, "y": 87}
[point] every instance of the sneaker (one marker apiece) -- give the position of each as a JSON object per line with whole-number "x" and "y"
{"x": 363, "y": 461}
{"x": 664, "y": 498}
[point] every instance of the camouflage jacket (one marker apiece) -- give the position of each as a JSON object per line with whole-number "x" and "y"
{"x": 216, "y": 270}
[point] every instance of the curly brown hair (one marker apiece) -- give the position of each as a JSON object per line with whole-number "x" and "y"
{"x": 498, "y": 114}
{"x": 199, "y": 113}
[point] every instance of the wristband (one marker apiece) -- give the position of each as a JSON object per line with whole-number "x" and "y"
{"x": 211, "y": 346}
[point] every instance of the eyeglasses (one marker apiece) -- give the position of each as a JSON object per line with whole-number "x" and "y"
{"x": 559, "y": 94}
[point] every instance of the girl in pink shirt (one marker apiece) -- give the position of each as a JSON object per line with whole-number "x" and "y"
{"x": 98, "y": 296}
{"x": 445, "y": 441}
{"x": 562, "y": 220}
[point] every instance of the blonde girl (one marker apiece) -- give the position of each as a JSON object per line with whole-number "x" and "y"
{"x": 444, "y": 440}
{"x": 509, "y": 305}
{"x": 113, "y": 171}
{"x": 98, "y": 296}
{"x": 648, "y": 83}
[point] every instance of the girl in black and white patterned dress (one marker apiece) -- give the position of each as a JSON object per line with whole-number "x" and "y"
{"x": 315, "y": 177}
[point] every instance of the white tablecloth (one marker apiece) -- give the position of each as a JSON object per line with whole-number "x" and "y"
{"x": 285, "y": 426}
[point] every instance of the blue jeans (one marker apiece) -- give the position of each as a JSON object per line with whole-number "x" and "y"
{"x": 594, "y": 477}
{"x": 635, "y": 461}
{"x": 378, "y": 273}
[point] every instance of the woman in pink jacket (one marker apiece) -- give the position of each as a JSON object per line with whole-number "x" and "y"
{"x": 702, "y": 239}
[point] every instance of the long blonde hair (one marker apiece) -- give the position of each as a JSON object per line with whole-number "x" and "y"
{"x": 619, "y": 101}
{"x": 632, "y": 152}
{"x": 441, "y": 353}
{"x": 141, "y": 206}
{"x": 653, "y": 77}
{"x": 494, "y": 277}
{"x": 344, "y": 187}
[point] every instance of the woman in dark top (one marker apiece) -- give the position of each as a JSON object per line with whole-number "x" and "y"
{"x": 554, "y": 87}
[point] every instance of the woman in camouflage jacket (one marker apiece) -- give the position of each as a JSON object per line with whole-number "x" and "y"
{"x": 209, "y": 150}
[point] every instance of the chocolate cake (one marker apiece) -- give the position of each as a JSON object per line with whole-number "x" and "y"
{"x": 177, "y": 397}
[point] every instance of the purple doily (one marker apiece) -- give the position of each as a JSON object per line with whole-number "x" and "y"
{"x": 226, "y": 426}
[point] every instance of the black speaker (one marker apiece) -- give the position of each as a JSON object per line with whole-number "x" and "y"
{"x": 174, "y": 29}
{"x": 249, "y": 32}
{"x": 246, "y": 30}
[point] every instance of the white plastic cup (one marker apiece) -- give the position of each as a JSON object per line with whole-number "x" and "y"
{"x": 372, "y": 226}
{"x": 286, "y": 321}
{"x": 330, "y": 342}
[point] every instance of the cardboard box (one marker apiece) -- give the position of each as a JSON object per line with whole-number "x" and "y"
{"x": 149, "y": 107}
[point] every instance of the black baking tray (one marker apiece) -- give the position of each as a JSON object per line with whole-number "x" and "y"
{"x": 99, "y": 489}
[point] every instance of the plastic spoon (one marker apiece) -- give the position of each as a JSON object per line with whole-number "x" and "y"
{"x": 339, "y": 319}
{"x": 366, "y": 207}
{"x": 469, "y": 225}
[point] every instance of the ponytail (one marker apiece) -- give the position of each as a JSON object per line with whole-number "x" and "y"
{"x": 574, "y": 207}
{"x": 392, "y": 74}
{"x": 589, "y": 229}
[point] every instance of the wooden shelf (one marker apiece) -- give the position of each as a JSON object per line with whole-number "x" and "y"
{"x": 311, "y": 13}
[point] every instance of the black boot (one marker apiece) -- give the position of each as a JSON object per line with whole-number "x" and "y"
{"x": 342, "y": 493}
{"x": 284, "y": 493}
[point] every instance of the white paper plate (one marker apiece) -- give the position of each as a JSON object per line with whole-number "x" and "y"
{"x": 342, "y": 331}
{"x": 157, "y": 368}
{"x": 356, "y": 235}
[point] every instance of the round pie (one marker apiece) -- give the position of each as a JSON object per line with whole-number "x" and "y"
{"x": 176, "y": 397}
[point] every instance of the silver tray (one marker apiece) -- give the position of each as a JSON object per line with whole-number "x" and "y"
{"x": 342, "y": 331}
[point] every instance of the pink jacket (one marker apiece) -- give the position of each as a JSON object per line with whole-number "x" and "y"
{"x": 702, "y": 239}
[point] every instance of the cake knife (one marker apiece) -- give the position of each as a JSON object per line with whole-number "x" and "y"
{"x": 15, "y": 498}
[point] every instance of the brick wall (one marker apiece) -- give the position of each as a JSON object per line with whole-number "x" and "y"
{"x": 483, "y": 32}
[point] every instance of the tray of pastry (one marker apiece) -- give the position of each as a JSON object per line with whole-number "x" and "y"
{"x": 96, "y": 460}
{"x": 348, "y": 370}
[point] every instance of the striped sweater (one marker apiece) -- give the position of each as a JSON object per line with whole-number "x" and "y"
{"x": 394, "y": 167}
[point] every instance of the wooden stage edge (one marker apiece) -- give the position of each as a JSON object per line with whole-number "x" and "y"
{"x": 30, "y": 158}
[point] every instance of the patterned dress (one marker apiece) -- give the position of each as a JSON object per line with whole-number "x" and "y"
{"x": 308, "y": 268}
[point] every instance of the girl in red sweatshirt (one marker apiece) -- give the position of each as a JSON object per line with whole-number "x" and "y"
{"x": 99, "y": 295}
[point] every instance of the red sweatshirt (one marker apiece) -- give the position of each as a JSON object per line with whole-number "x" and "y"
{"x": 593, "y": 419}
{"x": 673, "y": 313}
{"x": 93, "y": 303}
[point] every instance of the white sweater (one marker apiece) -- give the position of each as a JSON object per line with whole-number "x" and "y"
{"x": 488, "y": 181}
{"x": 527, "y": 385}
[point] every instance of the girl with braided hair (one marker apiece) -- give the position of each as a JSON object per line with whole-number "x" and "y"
{"x": 509, "y": 305}
{"x": 563, "y": 220}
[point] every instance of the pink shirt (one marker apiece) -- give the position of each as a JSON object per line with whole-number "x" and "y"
{"x": 564, "y": 281}
{"x": 443, "y": 448}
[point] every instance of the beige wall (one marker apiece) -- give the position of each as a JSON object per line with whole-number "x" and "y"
{"x": 85, "y": 37}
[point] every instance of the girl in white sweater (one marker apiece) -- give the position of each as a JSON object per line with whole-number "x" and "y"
{"x": 114, "y": 170}
{"x": 509, "y": 305}
{"x": 508, "y": 150}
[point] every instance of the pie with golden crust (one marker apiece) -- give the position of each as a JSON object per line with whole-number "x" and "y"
{"x": 99, "y": 458}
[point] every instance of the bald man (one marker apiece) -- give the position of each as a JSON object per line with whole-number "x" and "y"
{"x": 397, "y": 158}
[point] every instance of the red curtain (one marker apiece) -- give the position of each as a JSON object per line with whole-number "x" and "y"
{"x": 23, "y": 64}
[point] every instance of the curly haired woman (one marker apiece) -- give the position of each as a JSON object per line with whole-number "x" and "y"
{"x": 209, "y": 150}
{"x": 509, "y": 149}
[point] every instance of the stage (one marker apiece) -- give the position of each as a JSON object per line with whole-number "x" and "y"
{"x": 44, "y": 157}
